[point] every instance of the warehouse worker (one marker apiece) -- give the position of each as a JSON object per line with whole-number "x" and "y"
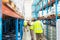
{"x": 28, "y": 25}
{"x": 25, "y": 25}
{"x": 38, "y": 29}
{"x": 31, "y": 30}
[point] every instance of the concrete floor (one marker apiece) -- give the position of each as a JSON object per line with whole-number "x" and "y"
{"x": 27, "y": 36}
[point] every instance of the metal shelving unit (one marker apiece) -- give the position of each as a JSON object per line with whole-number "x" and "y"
{"x": 12, "y": 23}
{"x": 50, "y": 21}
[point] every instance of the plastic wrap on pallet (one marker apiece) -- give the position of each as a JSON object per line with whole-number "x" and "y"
{"x": 51, "y": 32}
{"x": 58, "y": 7}
{"x": 44, "y": 29}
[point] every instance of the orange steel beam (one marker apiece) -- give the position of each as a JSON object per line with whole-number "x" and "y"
{"x": 7, "y": 11}
{"x": 5, "y": 1}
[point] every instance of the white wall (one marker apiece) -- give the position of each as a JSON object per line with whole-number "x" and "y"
{"x": 28, "y": 9}
{"x": 19, "y": 5}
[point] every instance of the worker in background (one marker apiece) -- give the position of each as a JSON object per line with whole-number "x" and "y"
{"x": 28, "y": 23}
{"x": 25, "y": 30}
{"x": 31, "y": 30}
{"x": 25, "y": 25}
{"x": 38, "y": 29}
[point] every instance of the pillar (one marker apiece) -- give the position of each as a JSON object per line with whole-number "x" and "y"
{"x": 16, "y": 23}
{"x": 21, "y": 28}
{"x": 0, "y": 20}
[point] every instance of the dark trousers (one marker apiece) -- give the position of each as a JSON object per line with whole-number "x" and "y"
{"x": 32, "y": 35}
{"x": 39, "y": 36}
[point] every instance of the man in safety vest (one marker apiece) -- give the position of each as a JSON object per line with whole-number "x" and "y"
{"x": 31, "y": 30}
{"x": 38, "y": 29}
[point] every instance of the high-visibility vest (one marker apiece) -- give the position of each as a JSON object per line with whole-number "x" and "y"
{"x": 37, "y": 27}
{"x": 31, "y": 27}
{"x": 25, "y": 23}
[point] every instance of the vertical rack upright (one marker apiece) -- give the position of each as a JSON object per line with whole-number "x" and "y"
{"x": 0, "y": 20}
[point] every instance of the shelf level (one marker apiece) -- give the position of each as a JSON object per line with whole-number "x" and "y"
{"x": 7, "y": 11}
{"x": 49, "y": 3}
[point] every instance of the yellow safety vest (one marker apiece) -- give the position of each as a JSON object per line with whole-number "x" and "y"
{"x": 37, "y": 27}
{"x": 31, "y": 27}
{"x": 25, "y": 23}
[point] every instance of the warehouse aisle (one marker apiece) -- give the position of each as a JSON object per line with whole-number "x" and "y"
{"x": 26, "y": 35}
{"x": 15, "y": 12}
